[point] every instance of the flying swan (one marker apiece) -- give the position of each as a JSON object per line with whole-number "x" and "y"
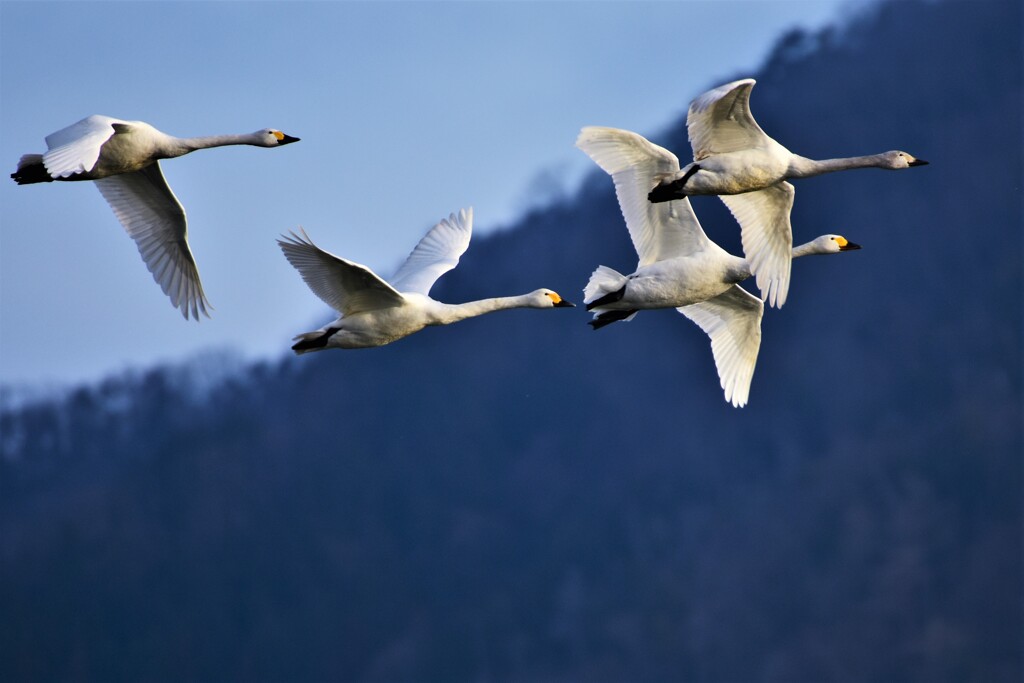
{"x": 123, "y": 157}
{"x": 374, "y": 312}
{"x": 679, "y": 267}
{"x": 734, "y": 158}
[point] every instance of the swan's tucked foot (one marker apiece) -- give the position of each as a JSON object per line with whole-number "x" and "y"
{"x": 313, "y": 341}
{"x": 667, "y": 191}
{"x": 609, "y": 317}
{"x": 31, "y": 170}
{"x": 609, "y": 298}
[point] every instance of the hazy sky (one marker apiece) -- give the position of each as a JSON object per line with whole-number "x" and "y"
{"x": 407, "y": 111}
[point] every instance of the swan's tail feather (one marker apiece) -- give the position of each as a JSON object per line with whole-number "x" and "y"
{"x": 312, "y": 341}
{"x": 606, "y": 286}
{"x": 31, "y": 170}
{"x": 608, "y": 317}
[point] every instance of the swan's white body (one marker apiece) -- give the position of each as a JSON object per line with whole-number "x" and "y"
{"x": 374, "y": 312}
{"x": 679, "y": 266}
{"x": 123, "y": 158}
{"x": 735, "y": 159}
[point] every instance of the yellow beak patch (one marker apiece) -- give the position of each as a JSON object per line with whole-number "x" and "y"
{"x": 554, "y": 297}
{"x": 278, "y": 134}
{"x": 841, "y": 241}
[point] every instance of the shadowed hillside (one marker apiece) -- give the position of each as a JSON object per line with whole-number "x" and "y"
{"x": 520, "y": 498}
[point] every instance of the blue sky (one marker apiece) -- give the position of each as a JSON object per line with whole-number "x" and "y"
{"x": 407, "y": 111}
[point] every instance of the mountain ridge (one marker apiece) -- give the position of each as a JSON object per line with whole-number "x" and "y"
{"x": 520, "y": 498}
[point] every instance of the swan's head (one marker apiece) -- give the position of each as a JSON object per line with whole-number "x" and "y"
{"x": 833, "y": 244}
{"x": 546, "y": 298}
{"x": 268, "y": 137}
{"x": 896, "y": 160}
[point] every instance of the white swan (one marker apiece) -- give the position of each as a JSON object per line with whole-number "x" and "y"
{"x": 734, "y": 158}
{"x": 373, "y": 312}
{"x": 679, "y": 266}
{"x": 123, "y": 158}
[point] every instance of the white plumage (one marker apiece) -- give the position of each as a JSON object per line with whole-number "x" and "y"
{"x": 735, "y": 159}
{"x": 679, "y": 266}
{"x": 373, "y": 312}
{"x": 123, "y": 158}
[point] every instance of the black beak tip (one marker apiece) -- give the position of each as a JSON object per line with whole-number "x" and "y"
{"x": 918, "y": 162}
{"x": 565, "y": 304}
{"x": 851, "y": 246}
{"x": 287, "y": 140}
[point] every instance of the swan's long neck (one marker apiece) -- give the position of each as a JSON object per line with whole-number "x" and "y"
{"x": 742, "y": 270}
{"x": 180, "y": 146}
{"x": 453, "y": 313}
{"x": 805, "y": 249}
{"x": 802, "y": 167}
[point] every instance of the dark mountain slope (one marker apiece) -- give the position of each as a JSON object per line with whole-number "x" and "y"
{"x": 520, "y": 498}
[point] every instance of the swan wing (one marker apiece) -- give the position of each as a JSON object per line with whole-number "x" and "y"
{"x": 659, "y": 231}
{"x": 344, "y": 285}
{"x": 76, "y": 149}
{"x": 720, "y": 121}
{"x": 767, "y": 236}
{"x": 733, "y": 321}
{"x": 436, "y": 254}
{"x": 154, "y": 218}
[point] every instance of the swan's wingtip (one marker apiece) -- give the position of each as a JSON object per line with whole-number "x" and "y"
{"x": 773, "y": 290}
{"x": 461, "y": 219}
{"x": 708, "y": 98}
{"x": 590, "y": 134}
{"x": 191, "y": 310}
{"x": 736, "y": 394}
{"x": 738, "y": 83}
{"x": 293, "y": 238}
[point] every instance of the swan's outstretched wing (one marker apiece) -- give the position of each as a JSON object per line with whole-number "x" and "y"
{"x": 659, "y": 231}
{"x": 154, "y": 218}
{"x": 733, "y": 321}
{"x": 76, "y": 148}
{"x": 344, "y": 285}
{"x": 436, "y": 254}
{"x": 767, "y": 236}
{"x": 720, "y": 121}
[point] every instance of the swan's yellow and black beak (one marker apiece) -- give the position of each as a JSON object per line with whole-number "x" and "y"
{"x": 844, "y": 244}
{"x": 286, "y": 140}
{"x": 559, "y": 302}
{"x": 917, "y": 162}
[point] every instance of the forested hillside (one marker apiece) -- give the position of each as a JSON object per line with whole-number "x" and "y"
{"x": 520, "y": 498}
